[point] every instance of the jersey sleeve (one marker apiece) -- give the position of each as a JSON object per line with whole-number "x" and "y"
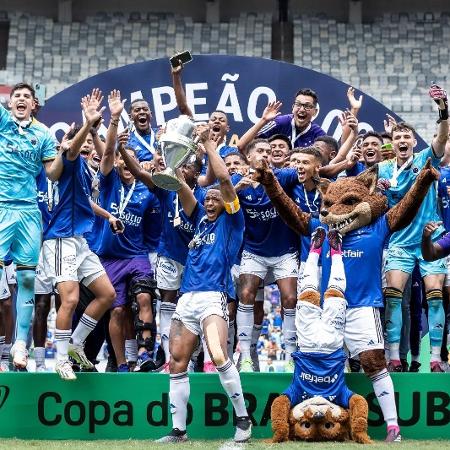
{"x": 355, "y": 170}
{"x": 287, "y": 178}
{"x": 107, "y": 181}
{"x": 271, "y": 128}
{"x": 197, "y": 214}
{"x": 343, "y": 397}
{"x": 293, "y": 394}
{"x": 4, "y": 117}
{"x": 48, "y": 147}
{"x": 382, "y": 228}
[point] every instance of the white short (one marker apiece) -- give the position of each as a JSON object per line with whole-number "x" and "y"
{"x": 447, "y": 277}
{"x": 43, "y": 283}
{"x": 235, "y": 271}
{"x": 153, "y": 258}
{"x": 71, "y": 259}
{"x": 4, "y": 288}
{"x": 194, "y": 307}
{"x": 11, "y": 275}
{"x": 168, "y": 273}
{"x": 285, "y": 266}
{"x": 363, "y": 330}
{"x": 320, "y": 330}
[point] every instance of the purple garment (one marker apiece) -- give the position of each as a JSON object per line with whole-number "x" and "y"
{"x": 122, "y": 272}
{"x": 283, "y": 125}
{"x": 444, "y": 242}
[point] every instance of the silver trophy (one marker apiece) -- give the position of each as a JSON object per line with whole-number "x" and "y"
{"x": 177, "y": 145}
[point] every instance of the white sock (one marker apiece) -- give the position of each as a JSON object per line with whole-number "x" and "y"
{"x": 337, "y": 275}
{"x": 230, "y": 340}
{"x": 229, "y": 377}
{"x": 84, "y": 327}
{"x": 384, "y": 391}
{"x": 207, "y": 356}
{"x": 394, "y": 351}
{"x": 39, "y": 356}
{"x": 179, "y": 396}
{"x": 289, "y": 332}
{"x": 6, "y": 351}
{"x": 62, "y": 338}
{"x": 256, "y": 333}
{"x": 310, "y": 276}
{"x": 244, "y": 320}
{"x": 435, "y": 353}
{"x": 131, "y": 350}
{"x": 166, "y": 312}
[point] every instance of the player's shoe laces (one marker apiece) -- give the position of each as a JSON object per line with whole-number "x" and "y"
{"x": 76, "y": 351}
{"x": 317, "y": 238}
{"x": 393, "y": 435}
{"x": 335, "y": 240}
{"x": 65, "y": 371}
{"x": 173, "y": 437}
{"x": 209, "y": 367}
{"x": 243, "y": 429}
{"x": 144, "y": 363}
{"x": 20, "y": 354}
{"x": 246, "y": 365}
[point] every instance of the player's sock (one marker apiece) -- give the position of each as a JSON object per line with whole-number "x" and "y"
{"x": 256, "y": 333}
{"x": 131, "y": 350}
{"x": 436, "y": 319}
{"x": 62, "y": 338}
{"x": 384, "y": 391}
{"x": 394, "y": 298}
{"x": 244, "y": 320}
{"x": 6, "y": 352}
{"x": 84, "y": 327}
{"x": 166, "y": 312}
{"x": 337, "y": 279}
{"x": 206, "y": 355}
{"x": 179, "y": 395}
{"x": 229, "y": 377}
{"x": 25, "y": 302}
{"x": 230, "y": 339}
{"x": 39, "y": 356}
{"x": 2, "y": 344}
{"x": 289, "y": 332}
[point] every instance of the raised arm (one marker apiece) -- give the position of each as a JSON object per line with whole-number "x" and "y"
{"x": 115, "y": 107}
{"x": 271, "y": 111}
{"x": 348, "y": 120}
{"x": 440, "y": 97}
{"x": 404, "y": 212}
{"x": 180, "y": 95}
{"x": 355, "y": 106}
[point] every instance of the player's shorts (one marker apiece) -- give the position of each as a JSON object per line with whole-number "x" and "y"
{"x": 194, "y": 307}
{"x": 43, "y": 284}
{"x": 285, "y": 266}
{"x": 153, "y": 258}
{"x": 235, "y": 272}
{"x": 11, "y": 274}
{"x": 405, "y": 258}
{"x": 20, "y": 235}
{"x": 447, "y": 277}
{"x": 4, "y": 288}
{"x": 168, "y": 273}
{"x": 363, "y": 330}
{"x": 321, "y": 330}
{"x": 71, "y": 259}
{"x": 122, "y": 272}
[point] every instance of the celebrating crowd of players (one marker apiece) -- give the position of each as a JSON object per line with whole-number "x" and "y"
{"x": 106, "y": 241}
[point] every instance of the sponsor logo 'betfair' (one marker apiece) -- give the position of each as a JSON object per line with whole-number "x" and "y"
{"x": 305, "y": 376}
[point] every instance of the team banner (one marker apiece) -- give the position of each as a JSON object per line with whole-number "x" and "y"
{"x": 136, "y": 406}
{"x": 239, "y": 86}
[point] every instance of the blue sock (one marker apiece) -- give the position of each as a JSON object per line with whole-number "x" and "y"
{"x": 393, "y": 314}
{"x": 25, "y": 302}
{"x": 436, "y": 317}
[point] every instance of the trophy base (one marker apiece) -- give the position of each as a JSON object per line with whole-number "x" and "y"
{"x": 166, "y": 181}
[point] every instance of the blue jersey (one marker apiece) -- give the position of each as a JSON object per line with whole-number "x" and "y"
{"x": 319, "y": 375}
{"x": 443, "y": 184}
{"x": 128, "y": 202}
{"x": 174, "y": 240}
{"x": 143, "y": 144}
{"x": 428, "y": 212}
{"x": 362, "y": 257}
{"x": 152, "y": 227}
{"x": 356, "y": 169}
{"x": 92, "y": 237}
{"x": 285, "y": 125}
{"x": 265, "y": 232}
{"x": 22, "y": 152}
{"x": 45, "y": 197}
{"x": 209, "y": 262}
{"x": 72, "y": 212}
{"x": 224, "y": 150}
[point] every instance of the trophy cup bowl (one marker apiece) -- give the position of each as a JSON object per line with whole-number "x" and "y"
{"x": 177, "y": 145}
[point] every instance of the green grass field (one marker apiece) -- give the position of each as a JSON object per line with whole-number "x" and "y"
{"x": 210, "y": 445}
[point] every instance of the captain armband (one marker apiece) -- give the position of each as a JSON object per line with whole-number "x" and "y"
{"x": 232, "y": 207}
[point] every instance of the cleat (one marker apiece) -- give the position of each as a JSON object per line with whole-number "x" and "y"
{"x": 123, "y": 368}
{"x": 20, "y": 354}
{"x": 317, "y": 238}
{"x": 144, "y": 363}
{"x": 414, "y": 367}
{"x": 289, "y": 366}
{"x": 41, "y": 369}
{"x": 77, "y": 353}
{"x": 395, "y": 366}
{"x": 111, "y": 365}
{"x": 65, "y": 371}
{"x": 174, "y": 437}
{"x": 405, "y": 365}
{"x": 393, "y": 435}
{"x": 209, "y": 367}
{"x": 246, "y": 365}
{"x": 335, "y": 240}
{"x": 436, "y": 367}
{"x": 243, "y": 429}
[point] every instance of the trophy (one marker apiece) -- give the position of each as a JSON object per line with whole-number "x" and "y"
{"x": 177, "y": 145}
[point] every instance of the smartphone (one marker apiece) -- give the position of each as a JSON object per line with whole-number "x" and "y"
{"x": 183, "y": 58}
{"x": 120, "y": 227}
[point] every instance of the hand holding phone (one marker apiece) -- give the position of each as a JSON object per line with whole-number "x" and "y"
{"x": 180, "y": 58}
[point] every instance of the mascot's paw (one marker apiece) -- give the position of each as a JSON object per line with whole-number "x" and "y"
{"x": 279, "y": 413}
{"x": 263, "y": 173}
{"x": 361, "y": 438}
{"x": 428, "y": 172}
{"x": 280, "y": 431}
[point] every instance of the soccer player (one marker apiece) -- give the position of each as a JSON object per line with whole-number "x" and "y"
{"x": 125, "y": 256}
{"x": 25, "y": 147}
{"x": 281, "y": 147}
{"x": 202, "y": 309}
{"x": 404, "y": 249}
{"x": 67, "y": 257}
